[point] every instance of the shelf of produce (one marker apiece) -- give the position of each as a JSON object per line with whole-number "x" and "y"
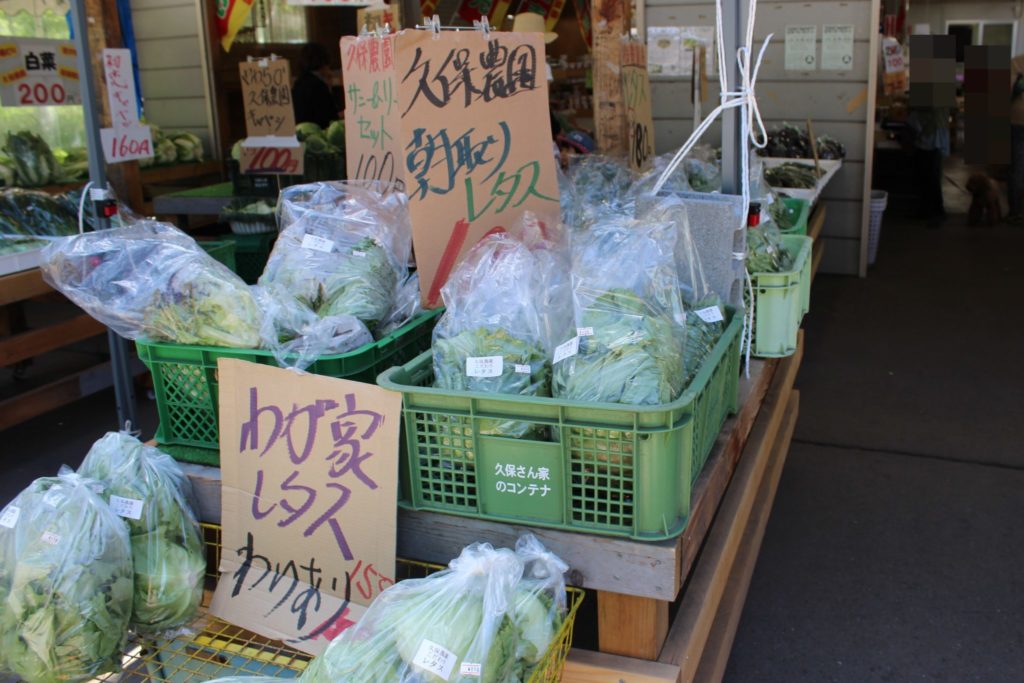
{"x": 637, "y": 582}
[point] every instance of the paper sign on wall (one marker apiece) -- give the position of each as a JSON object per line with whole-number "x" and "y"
{"x": 372, "y": 117}
{"x": 663, "y": 55}
{"x": 636, "y": 93}
{"x": 475, "y": 140}
{"x": 309, "y": 469}
{"x": 837, "y": 47}
{"x": 38, "y": 72}
{"x": 801, "y": 48}
{"x": 126, "y": 139}
{"x": 691, "y": 37}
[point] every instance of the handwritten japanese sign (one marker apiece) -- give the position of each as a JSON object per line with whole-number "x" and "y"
{"x": 125, "y": 139}
{"x": 475, "y": 141}
{"x": 38, "y": 72}
{"x": 267, "y": 97}
{"x": 309, "y": 469}
{"x": 372, "y": 118}
{"x": 636, "y": 94}
{"x": 257, "y": 156}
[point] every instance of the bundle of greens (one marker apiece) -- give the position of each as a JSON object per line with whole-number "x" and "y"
{"x": 765, "y": 251}
{"x": 491, "y": 337}
{"x": 65, "y": 582}
{"x": 600, "y": 185}
{"x": 343, "y": 250}
{"x": 630, "y": 322}
{"x": 482, "y": 619}
{"x": 149, "y": 490}
{"x": 792, "y": 175}
{"x": 704, "y": 169}
{"x": 151, "y": 281}
{"x": 34, "y": 163}
{"x": 31, "y": 213}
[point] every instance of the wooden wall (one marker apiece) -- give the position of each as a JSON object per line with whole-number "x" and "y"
{"x": 841, "y": 104}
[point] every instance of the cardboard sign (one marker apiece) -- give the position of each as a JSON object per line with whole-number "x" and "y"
{"x": 609, "y": 23}
{"x": 120, "y": 81}
{"x": 126, "y": 143}
{"x": 372, "y": 118}
{"x": 272, "y": 156}
{"x": 38, "y": 72}
{"x": 475, "y": 139}
{"x": 379, "y": 15}
{"x": 837, "y": 47}
{"x": 309, "y": 469}
{"x": 267, "y": 98}
{"x": 801, "y": 48}
{"x": 636, "y": 94}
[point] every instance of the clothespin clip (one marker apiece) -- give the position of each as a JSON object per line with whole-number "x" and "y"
{"x": 483, "y": 26}
{"x": 364, "y": 31}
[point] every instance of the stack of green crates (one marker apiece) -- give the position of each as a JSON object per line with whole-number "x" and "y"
{"x": 606, "y": 468}
{"x": 781, "y": 300}
{"x": 800, "y": 209}
{"x": 223, "y": 251}
{"x": 251, "y": 254}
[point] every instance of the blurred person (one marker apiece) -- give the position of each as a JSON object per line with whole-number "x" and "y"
{"x": 930, "y": 128}
{"x": 1015, "y": 186}
{"x": 311, "y": 94}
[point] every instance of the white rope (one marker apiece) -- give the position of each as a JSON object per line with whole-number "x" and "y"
{"x": 81, "y": 207}
{"x": 751, "y": 127}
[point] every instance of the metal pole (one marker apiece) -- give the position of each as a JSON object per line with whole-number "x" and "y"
{"x": 732, "y": 25}
{"x": 124, "y": 389}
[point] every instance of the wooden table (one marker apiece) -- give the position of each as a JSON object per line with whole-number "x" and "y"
{"x": 706, "y": 570}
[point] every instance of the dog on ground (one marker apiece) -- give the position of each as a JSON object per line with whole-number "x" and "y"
{"x": 985, "y": 208}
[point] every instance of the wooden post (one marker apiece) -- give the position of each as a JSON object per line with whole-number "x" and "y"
{"x": 631, "y": 626}
{"x": 105, "y": 31}
{"x": 609, "y": 20}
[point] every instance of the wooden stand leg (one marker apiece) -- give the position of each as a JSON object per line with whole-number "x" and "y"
{"x": 631, "y": 626}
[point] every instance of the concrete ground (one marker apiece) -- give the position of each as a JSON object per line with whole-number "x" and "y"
{"x": 895, "y": 546}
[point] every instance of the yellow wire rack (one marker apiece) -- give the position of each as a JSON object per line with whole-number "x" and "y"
{"x": 214, "y": 648}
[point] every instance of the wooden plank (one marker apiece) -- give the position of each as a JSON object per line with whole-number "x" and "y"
{"x": 817, "y": 220}
{"x": 206, "y": 485}
{"x": 610, "y": 21}
{"x": 169, "y": 52}
{"x": 817, "y": 252}
{"x": 585, "y": 666}
{"x": 715, "y": 657}
{"x": 631, "y": 626}
{"x": 36, "y": 342}
{"x": 706, "y": 586}
{"x": 22, "y": 285}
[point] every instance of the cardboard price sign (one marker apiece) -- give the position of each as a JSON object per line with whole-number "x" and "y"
{"x": 38, "y": 72}
{"x": 372, "y": 117}
{"x": 272, "y": 159}
{"x": 309, "y": 469}
{"x": 475, "y": 139}
{"x": 636, "y": 94}
{"x": 267, "y": 97}
{"x": 126, "y": 144}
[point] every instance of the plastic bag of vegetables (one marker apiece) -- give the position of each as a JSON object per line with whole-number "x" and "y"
{"x": 65, "y": 582}
{"x": 629, "y": 319}
{"x": 151, "y": 281}
{"x": 406, "y": 306}
{"x": 540, "y": 604}
{"x": 343, "y": 249}
{"x": 458, "y": 625}
{"x": 600, "y": 186}
{"x": 703, "y": 169}
{"x": 765, "y": 251}
{"x": 149, "y": 490}
{"x": 491, "y": 337}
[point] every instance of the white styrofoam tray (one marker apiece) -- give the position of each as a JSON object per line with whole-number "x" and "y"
{"x": 830, "y": 166}
{"x": 18, "y": 261}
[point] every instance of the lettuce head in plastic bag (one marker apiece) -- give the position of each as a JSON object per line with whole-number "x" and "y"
{"x": 65, "y": 582}
{"x": 152, "y": 494}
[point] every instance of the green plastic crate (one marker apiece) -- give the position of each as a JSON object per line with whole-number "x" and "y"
{"x": 612, "y": 469}
{"x": 185, "y": 377}
{"x": 223, "y": 251}
{"x": 251, "y": 254}
{"x": 781, "y": 301}
{"x": 802, "y": 208}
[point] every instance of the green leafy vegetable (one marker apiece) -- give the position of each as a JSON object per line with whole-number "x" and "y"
{"x": 167, "y": 547}
{"x": 336, "y": 134}
{"x": 765, "y": 250}
{"x": 34, "y": 163}
{"x": 65, "y": 582}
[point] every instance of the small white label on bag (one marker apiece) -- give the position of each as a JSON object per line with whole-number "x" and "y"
{"x": 317, "y": 243}
{"x": 484, "y": 366}
{"x": 522, "y": 369}
{"x": 53, "y": 497}
{"x": 567, "y": 349}
{"x": 471, "y": 669}
{"x": 126, "y": 507}
{"x": 51, "y": 538}
{"x": 10, "y": 516}
{"x": 435, "y": 658}
{"x": 359, "y": 254}
{"x": 711, "y": 314}
{"x": 584, "y": 331}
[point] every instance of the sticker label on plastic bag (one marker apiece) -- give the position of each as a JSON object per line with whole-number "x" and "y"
{"x": 471, "y": 669}
{"x": 567, "y": 349}
{"x": 317, "y": 243}
{"x": 711, "y": 314}
{"x": 584, "y": 331}
{"x": 522, "y": 369}
{"x": 484, "y": 366}
{"x": 435, "y": 658}
{"x": 10, "y": 516}
{"x": 53, "y": 497}
{"x": 51, "y": 538}
{"x": 126, "y": 507}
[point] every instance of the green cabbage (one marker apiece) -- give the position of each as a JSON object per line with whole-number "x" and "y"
{"x": 307, "y": 128}
{"x": 167, "y": 547}
{"x": 65, "y": 582}
{"x": 336, "y": 134}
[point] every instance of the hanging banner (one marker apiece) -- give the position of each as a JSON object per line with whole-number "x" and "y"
{"x": 309, "y": 472}
{"x": 231, "y": 14}
{"x": 372, "y": 119}
{"x": 801, "y": 48}
{"x": 636, "y": 93}
{"x": 837, "y": 47}
{"x": 476, "y": 141}
{"x": 38, "y": 72}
